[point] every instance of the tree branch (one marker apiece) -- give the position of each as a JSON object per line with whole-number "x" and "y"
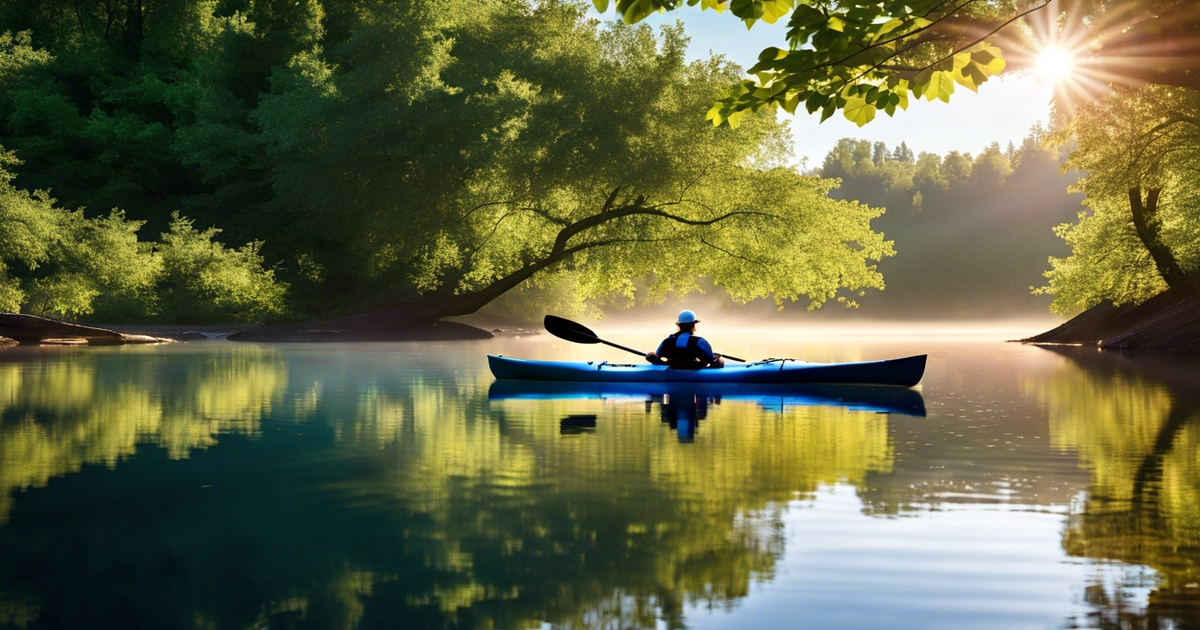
{"x": 482, "y": 206}
{"x": 729, "y": 253}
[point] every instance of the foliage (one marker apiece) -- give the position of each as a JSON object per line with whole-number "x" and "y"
{"x": 857, "y": 57}
{"x": 1147, "y": 141}
{"x": 661, "y": 196}
{"x": 202, "y": 280}
{"x": 423, "y": 154}
{"x": 61, "y": 263}
{"x": 867, "y": 56}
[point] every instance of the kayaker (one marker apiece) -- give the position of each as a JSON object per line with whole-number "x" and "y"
{"x": 685, "y": 349}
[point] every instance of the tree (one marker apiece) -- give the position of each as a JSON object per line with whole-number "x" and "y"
{"x": 862, "y": 57}
{"x": 972, "y": 233}
{"x": 61, "y": 263}
{"x": 1140, "y": 149}
{"x": 423, "y": 157}
{"x": 574, "y": 150}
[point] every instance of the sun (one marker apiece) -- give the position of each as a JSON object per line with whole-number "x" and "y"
{"x": 1055, "y": 64}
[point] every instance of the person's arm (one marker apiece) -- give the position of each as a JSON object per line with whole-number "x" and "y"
{"x": 709, "y": 358}
{"x": 655, "y": 357}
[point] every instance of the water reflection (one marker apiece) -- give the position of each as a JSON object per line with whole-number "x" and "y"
{"x": 346, "y": 495}
{"x": 1139, "y": 437}
{"x": 397, "y": 486}
{"x": 60, "y": 413}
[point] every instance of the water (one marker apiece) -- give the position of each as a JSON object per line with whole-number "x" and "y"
{"x": 225, "y": 485}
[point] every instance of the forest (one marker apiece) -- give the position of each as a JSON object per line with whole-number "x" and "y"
{"x": 972, "y": 233}
{"x": 251, "y": 160}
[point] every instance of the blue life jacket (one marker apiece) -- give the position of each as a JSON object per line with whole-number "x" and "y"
{"x": 686, "y": 350}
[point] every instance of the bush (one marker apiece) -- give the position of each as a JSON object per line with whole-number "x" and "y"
{"x": 203, "y": 281}
{"x": 59, "y": 263}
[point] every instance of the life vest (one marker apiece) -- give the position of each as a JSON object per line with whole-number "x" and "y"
{"x": 688, "y": 356}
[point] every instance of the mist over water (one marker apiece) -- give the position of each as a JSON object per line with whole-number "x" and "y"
{"x": 395, "y": 486}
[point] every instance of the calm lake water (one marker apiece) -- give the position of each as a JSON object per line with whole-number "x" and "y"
{"x": 226, "y": 485}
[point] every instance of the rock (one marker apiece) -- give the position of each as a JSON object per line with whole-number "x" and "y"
{"x": 31, "y": 329}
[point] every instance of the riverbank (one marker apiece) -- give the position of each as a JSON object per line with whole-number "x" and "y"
{"x": 17, "y": 328}
{"x": 1166, "y": 324}
{"x": 32, "y": 330}
{"x": 338, "y": 331}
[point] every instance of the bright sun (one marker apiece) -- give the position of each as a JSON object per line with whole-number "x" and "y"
{"x": 1055, "y": 64}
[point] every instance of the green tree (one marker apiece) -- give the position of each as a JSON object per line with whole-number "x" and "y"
{"x": 972, "y": 232}
{"x": 487, "y": 165}
{"x": 1140, "y": 149}
{"x": 418, "y": 157}
{"x": 60, "y": 263}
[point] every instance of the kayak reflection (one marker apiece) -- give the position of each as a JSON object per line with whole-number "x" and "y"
{"x": 771, "y": 397}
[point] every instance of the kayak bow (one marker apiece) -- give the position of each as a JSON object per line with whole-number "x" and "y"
{"x": 904, "y": 372}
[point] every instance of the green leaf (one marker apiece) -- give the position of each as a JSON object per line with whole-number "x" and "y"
{"x": 886, "y": 28}
{"x": 601, "y": 5}
{"x": 982, "y": 57}
{"x": 772, "y": 54}
{"x": 941, "y": 86}
{"x": 859, "y": 111}
{"x": 772, "y": 10}
{"x": 790, "y": 103}
{"x": 815, "y": 102}
{"x": 715, "y": 114}
{"x": 828, "y": 110}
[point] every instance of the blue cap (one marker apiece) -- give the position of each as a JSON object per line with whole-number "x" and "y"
{"x": 687, "y": 317}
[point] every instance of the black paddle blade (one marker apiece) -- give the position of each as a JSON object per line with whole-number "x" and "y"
{"x": 569, "y": 330}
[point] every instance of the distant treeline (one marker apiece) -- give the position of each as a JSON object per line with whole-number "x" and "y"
{"x": 972, "y": 233}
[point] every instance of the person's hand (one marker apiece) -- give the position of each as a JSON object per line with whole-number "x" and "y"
{"x": 653, "y": 358}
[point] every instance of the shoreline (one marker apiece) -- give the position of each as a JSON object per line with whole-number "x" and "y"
{"x": 1166, "y": 325}
{"x": 26, "y": 330}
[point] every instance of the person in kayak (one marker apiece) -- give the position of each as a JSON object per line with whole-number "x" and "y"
{"x": 685, "y": 349}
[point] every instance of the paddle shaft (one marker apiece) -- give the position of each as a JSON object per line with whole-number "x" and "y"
{"x": 620, "y": 347}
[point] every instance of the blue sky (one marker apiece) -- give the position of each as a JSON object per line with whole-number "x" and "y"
{"x": 1003, "y": 110}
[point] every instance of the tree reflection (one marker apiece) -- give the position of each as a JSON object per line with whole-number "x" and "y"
{"x": 1140, "y": 438}
{"x": 377, "y": 498}
{"x": 61, "y": 413}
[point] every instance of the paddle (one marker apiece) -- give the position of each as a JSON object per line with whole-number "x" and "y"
{"x": 578, "y": 333}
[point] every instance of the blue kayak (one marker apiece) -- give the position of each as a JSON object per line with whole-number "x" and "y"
{"x": 771, "y": 397}
{"x": 904, "y": 372}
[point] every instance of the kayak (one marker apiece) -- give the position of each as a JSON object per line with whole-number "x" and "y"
{"x": 771, "y": 397}
{"x": 904, "y": 372}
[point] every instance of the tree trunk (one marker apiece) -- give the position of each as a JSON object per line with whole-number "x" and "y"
{"x": 433, "y": 308}
{"x": 1145, "y": 221}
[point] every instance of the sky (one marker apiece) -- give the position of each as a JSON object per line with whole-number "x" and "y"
{"x": 1003, "y": 110}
